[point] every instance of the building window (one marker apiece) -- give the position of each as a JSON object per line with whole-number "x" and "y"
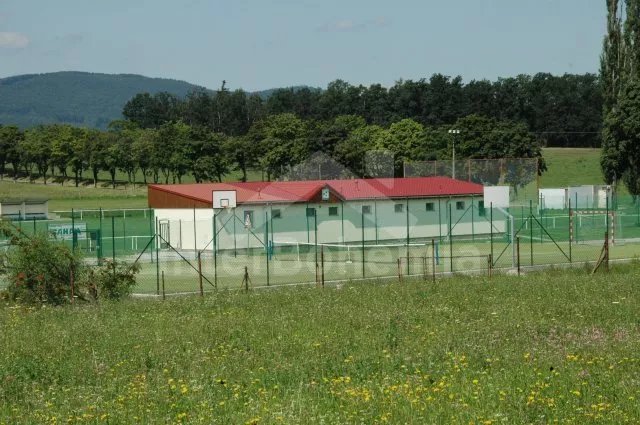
{"x": 366, "y": 209}
{"x": 399, "y": 208}
{"x": 481, "y": 210}
{"x": 275, "y": 214}
{"x": 430, "y": 207}
{"x": 248, "y": 219}
{"x": 311, "y": 212}
{"x": 333, "y": 211}
{"x": 460, "y": 205}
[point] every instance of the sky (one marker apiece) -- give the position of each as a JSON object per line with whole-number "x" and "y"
{"x": 261, "y": 44}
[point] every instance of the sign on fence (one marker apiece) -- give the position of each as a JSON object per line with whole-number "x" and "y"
{"x": 64, "y": 231}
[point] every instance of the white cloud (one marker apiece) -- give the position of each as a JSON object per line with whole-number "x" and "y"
{"x": 13, "y": 40}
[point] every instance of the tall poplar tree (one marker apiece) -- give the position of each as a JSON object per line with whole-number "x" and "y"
{"x": 618, "y": 64}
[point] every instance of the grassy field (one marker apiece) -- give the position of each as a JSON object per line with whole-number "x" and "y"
{"x": 571, "y": 167}
{"x": 545, "y": 348}
{"x": 68, "y": 196}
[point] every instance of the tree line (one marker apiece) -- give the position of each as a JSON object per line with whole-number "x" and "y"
{"x": 563, "y": 111}
{"x": 274, "y": 144}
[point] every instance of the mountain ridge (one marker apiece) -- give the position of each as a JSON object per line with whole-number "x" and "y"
{"x": 87, "y": 99}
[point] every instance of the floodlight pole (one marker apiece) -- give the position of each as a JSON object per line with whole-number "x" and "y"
{"x": 455, "y": 132}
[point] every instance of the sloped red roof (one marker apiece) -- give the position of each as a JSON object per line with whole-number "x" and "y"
{"x": 304, "y": 191}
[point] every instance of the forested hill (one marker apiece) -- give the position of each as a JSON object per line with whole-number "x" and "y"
{"x": 79, "y": 98}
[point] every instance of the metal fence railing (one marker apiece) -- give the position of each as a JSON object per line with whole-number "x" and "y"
{"x": 192, "y": 251}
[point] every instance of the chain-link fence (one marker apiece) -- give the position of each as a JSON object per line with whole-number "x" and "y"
{"x": 519, "y": 173}
{"x": 197, "y": 250}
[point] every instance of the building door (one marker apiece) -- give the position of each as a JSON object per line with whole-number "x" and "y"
{"x": 165, "y": 234}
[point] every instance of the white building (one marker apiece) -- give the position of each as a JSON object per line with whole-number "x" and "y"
{"x": 331, "y": 211}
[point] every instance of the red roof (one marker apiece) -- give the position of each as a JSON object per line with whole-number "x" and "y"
{"x": 304, "y": 191}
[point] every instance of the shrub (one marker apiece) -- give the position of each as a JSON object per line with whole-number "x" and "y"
{"x": 41, "y": 269}
{"x": 115, "y": 279}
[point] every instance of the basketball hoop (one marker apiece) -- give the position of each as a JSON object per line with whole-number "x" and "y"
{"x": 223, "y": 199}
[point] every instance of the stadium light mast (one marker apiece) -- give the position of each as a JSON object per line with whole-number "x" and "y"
{"x": 454, "y": 132}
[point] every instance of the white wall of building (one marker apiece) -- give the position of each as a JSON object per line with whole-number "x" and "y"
{"x": 336, "y": 223}
{"x": 555, "y": 199}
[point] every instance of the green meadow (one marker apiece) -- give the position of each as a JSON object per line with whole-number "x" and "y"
{"x": 549, "y": 347}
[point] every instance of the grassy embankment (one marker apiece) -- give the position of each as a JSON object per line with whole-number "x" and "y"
{"x": 550, "y": 347}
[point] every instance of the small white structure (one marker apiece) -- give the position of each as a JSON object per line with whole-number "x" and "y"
{"x": 553, "y": 199}
{"x": 24, "y": 209}
{"x": 586, "y": 197}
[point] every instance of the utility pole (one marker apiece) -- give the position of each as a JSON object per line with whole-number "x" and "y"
{"x": 455, "y": 133}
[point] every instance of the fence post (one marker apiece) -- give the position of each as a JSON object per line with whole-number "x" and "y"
{"x": 151, "y": 233}
{"x": 425, "y": 269}
{"x": 101, "y": 240}
{"x": 246, "y": 279}
{"x": 473, "y": 231}
{"x": 215, "y": 252}
{"x": 606, "y": 252}
{"x": 195, "y": 232}
{"x": 113, "y": 239}
{"x": 315, "y": 231}
{"x": 433, "y": 260}
{"x": 362, "y": 219}
{"x": 266, "y": 223}
{"x": 531, "y": 229}
{"x": 322, "y": 264}
{"x": 491, "y": 229}
{"x": 72, "y": 282}
{"x": 199, "y": 273}
{"x": 164, "y": 296}
{"x": 570, "y": 231}
{"x": 235, "y": 241}
{"x": 155, "y": 237}
{"x": 518, "y": 249}
{"x": 400, "y": 269}
{"x": 408, "y": 239}
{"x": 489, "y": 261}
{"x": 578, "y": 218}
{"x": 439, "y": 220}
{"x": 342, "y": 220}
{"x": 74, "y": 235}
{"x": 450, "y": 241}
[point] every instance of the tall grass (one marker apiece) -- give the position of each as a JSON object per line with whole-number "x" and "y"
{"x": 556, "y": 346}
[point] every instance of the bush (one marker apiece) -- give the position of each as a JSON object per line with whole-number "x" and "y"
{"x": 115, "y": 279}
{"x": 41, "y": 269}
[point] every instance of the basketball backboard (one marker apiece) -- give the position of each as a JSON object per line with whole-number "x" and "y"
{"x": 224, "y": 199}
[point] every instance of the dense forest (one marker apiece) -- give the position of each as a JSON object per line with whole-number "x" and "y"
{"x": 562, "y": 111}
